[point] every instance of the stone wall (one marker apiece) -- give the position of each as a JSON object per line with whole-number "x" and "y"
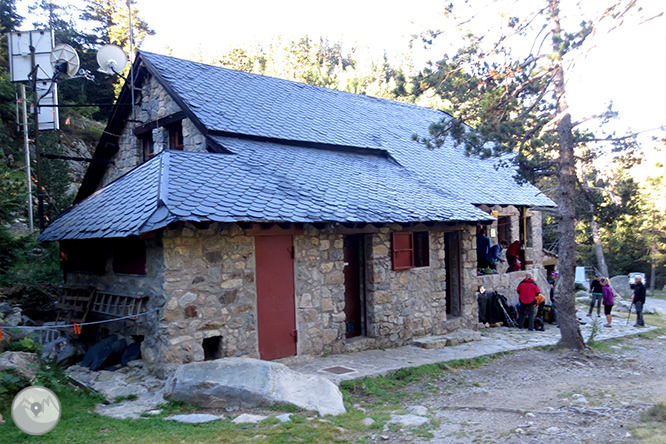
{"x": 202, "y": 277}
{"x": 506, "y": 283}
{"x": 210, "y": 292}
{"x": 320, "y": 291}
{"x": 153, "y": 103}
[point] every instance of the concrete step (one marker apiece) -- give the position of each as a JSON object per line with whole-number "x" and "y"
{"x": 449, "y": 339}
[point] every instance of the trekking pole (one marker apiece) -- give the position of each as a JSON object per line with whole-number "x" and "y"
{"x": 628, "y": 316}
{"x": 509, "y": 321}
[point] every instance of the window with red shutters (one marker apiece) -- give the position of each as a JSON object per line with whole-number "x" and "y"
{"x": 403, "y": 250}
{"x": 410, "y": 250}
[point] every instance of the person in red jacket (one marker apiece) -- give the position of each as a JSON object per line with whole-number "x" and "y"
{"x": 513, "y": 256}
{"x": 527, "y": 293}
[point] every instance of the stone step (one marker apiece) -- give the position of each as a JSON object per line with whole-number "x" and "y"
{"x": 449, "y": 339}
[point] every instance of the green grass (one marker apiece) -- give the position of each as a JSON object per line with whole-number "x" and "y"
{"x": 379, "y": 396}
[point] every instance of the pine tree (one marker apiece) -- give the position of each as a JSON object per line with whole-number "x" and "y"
{"x": 519, "y": 107}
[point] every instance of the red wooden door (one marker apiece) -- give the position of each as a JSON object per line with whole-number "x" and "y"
{"x": 276, "y": 317}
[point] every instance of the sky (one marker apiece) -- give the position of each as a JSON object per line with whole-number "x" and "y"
{"x": 627, "y": 67}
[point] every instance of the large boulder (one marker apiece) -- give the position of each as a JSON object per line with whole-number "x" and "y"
{"x": 621, "y": 286}
{"x": 24, "y": 364}
{"x": 249, "y": 383}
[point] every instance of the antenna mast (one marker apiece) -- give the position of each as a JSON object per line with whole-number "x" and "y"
{"x": 131, "y": 54}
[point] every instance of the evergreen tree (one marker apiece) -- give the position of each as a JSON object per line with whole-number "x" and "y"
{"x": 518, "y": 106}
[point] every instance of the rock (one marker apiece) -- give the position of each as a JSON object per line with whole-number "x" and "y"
{"x": 621, "y": 285}
{"x": 13, "y": 319}
{"x": 63, "y": 351}
{"x": 1, "y": 420}
{"x": 368, "y": 421}
{"x": 5, "y": 308}
{"x": 193, "y": 418}
{"x": 623, "y": 307}
{"x": 249, "y": 383}
{"x": 145, "y": 403}
{"x": 583, "y": 296}
{"x": 247, "y": 418}
{"x": 409, "y": 420}
{"x": 418, "y": 410}
{"x": 285, "y": 417}
{"x": 24, "y": 364}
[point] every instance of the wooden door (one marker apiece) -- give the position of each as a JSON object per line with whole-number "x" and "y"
{"x": 276, "y": 314}
{"x": 353, "y": 275}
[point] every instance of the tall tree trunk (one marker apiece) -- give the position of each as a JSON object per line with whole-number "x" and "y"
{"x": 569, "y": 328}
{"x": 598, "y": 248}
{"x": 654, "y": 250}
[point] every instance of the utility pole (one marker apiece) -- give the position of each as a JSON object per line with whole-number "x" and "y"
{"x": 38, "y": 154}
{"x": 26, "y": 144}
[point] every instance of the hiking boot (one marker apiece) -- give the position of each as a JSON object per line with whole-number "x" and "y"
{"x": 607, "y": 325}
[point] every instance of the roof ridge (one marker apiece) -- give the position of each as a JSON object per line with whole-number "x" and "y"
{"x": 297, "y": 83}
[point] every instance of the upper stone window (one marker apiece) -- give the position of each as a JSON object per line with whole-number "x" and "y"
{"x": 176, "y": 135}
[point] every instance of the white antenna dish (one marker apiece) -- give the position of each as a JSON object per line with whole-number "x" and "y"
{"x": 65, "y": 61}
{"x": 111, "y": 59}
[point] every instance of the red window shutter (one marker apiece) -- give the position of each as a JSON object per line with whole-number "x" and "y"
{"x": 403, "y": 250}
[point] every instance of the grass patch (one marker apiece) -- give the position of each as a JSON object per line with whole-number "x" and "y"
{"x": 656, "y": 413}
{"x": 119, "y": 399}
{"x": 652, "y": 428}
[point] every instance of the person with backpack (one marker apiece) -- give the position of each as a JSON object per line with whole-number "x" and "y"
{"x": 608, "y": 301}
{"x": 597, "y": 293}
{"x": 527, "y": 294}
{"x": 639, "y": 301}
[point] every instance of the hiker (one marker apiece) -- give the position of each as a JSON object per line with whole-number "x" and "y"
{"x": 553, "y": 303}
{"x": 495, "y": 254}
{"x": 527, "y": 294}
{"x": 607, "y": 296}
{"x": 482, "y": 248}
{"x": 513, "y": 256}
{"x": 639, "y": 301}
{"x": 596, "y": 290}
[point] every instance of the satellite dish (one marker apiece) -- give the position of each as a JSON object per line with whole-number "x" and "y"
{"x": 65, "y": 61}
{"x": 111, "y": 59}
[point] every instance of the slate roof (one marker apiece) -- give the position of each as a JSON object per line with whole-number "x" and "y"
{"x": 235, "y": 102}
{"x": 264, "y": 182}
{"x": 299, "y": 153}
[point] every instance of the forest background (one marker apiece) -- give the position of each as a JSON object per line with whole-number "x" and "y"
{"x": 621, "y": 198}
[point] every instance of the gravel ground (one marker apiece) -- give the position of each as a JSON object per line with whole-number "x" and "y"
{"x": 538, "y": 396}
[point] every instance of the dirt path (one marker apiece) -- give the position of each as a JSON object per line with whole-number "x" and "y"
{"x": 557, "y": 397}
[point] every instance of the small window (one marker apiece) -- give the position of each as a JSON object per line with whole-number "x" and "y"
{"x": 129, "y": 256}
{"x": 86, "y": 256}
{"x": 176, "y": 135}
{"x": 147, "y": 145}
{"x": 410, "y": 250}
{"x": 421, "y": 249}
{"x": 504, "y": 229}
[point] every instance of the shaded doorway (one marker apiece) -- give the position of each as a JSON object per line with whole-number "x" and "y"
{"x": 453, "y": 273}
{"x": 354, "y": 284}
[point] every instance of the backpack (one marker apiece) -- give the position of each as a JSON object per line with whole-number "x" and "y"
{"x": 538, "y": 323}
